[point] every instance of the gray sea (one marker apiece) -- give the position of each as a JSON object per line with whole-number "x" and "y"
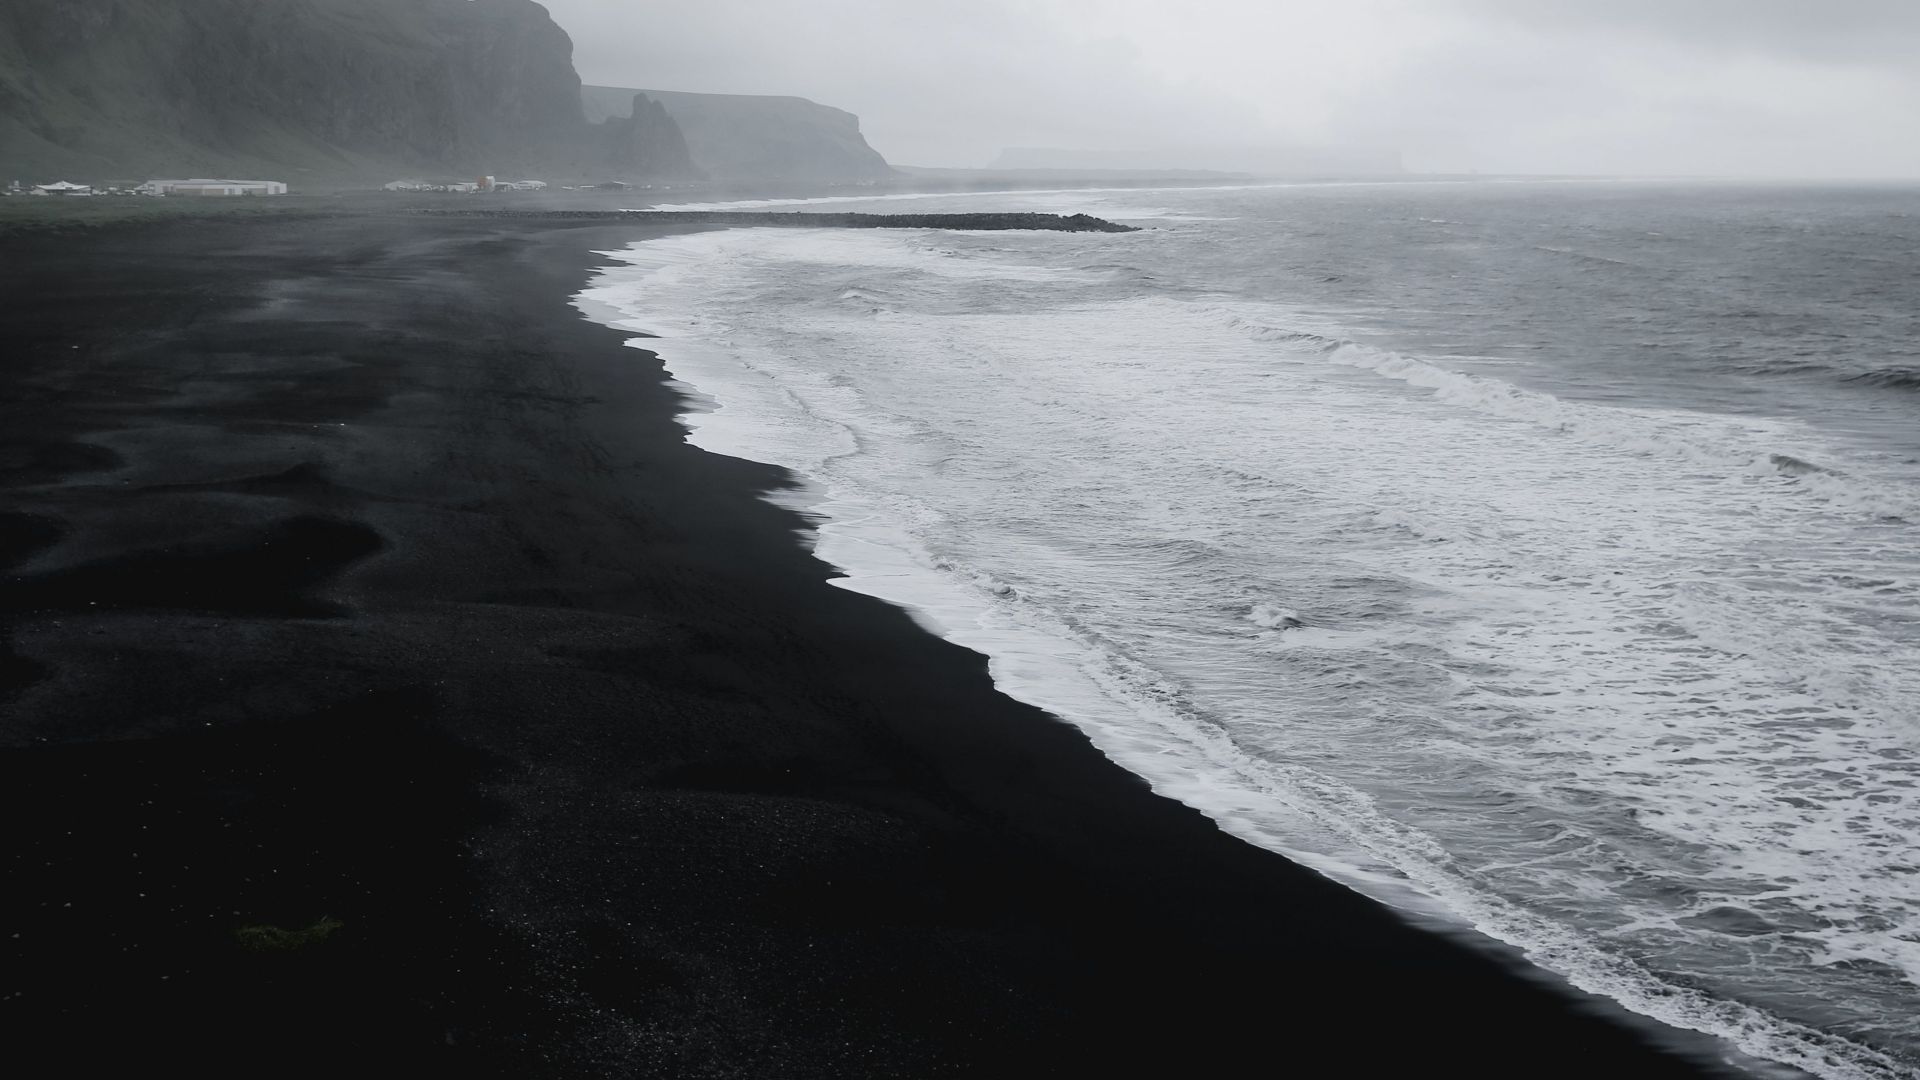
{"x": 1540, "y": 558}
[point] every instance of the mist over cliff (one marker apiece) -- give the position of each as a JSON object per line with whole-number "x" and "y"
{"x": 755, "y": 137}
{"x": 306, "y": 89}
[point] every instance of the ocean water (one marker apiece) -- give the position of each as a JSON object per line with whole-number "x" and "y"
{"x": 1540, "y": 557}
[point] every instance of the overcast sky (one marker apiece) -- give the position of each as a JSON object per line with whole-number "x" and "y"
{"x": 1718, "y": 87}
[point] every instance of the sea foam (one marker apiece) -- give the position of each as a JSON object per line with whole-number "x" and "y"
{"x": 1600, "y": 682}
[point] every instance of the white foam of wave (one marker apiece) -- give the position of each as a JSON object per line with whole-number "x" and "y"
{"x": 777, "y": 404}
{"x": 1274, "y": 617}
{"x": 1753, "y": 447}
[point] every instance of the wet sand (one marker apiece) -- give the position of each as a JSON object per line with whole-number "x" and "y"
{"x": 386, "y": 685}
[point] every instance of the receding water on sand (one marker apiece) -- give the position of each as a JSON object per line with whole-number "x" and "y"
{"x": 1435, "y": 587}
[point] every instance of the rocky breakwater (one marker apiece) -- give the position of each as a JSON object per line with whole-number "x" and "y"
{"x": 803, "y": 220}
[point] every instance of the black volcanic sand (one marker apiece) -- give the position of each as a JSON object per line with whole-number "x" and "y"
{"x": 388, "y": 687}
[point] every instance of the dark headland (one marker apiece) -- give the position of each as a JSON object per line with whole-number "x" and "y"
{"x": 387, "y": 687}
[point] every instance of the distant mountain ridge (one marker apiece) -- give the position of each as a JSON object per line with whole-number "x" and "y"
{"x": 306, "y": 89}
{"x": 751, "y": 137}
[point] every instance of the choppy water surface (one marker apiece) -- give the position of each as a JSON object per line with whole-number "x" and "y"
{"x": 1546, "y": 555}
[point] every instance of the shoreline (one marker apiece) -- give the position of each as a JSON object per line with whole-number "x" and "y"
{"x": 877, "y": 557}
{"x": 367, "y": 582}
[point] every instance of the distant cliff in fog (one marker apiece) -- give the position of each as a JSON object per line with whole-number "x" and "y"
{"x": 306, "y": 89}
{"x": 747, "y": 137}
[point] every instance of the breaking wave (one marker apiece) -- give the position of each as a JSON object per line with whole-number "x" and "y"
{"x": 1613, "y": 684}
{"x": 1652, "y": 432}
{"x": 1893, "y": 378}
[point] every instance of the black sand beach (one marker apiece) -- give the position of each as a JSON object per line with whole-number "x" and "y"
{"x": 387, "y": 686}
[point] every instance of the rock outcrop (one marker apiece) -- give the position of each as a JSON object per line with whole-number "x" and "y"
{"x": 739, "y": 137}
{"x": 304, "y": 89}
{"x": 633, "y": 145}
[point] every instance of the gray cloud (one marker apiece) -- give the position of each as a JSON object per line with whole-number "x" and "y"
{"x": 1837, "y": 31}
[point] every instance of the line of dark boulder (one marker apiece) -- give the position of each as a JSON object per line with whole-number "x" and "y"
{"x": 798, "y": 219}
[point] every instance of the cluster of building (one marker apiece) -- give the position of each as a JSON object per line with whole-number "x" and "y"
{"x": 489, "y": 183}
{"x": 156, "y": 187}
{"x": 484, "y": 183}
{"x": 58, "y": 188}
{"x": 204, "y": 186}
{"x": 212, "y": 187}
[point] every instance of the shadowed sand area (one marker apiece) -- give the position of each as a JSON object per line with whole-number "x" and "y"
{"x": 386, "y": 685}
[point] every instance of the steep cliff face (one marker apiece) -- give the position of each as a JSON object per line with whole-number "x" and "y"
{"x": 314, "y": 88}
{"x": 742, "y": 137}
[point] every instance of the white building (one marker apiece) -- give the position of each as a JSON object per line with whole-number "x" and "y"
{"x": 212, "y": 187}
{"x": 62, "y": 187}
